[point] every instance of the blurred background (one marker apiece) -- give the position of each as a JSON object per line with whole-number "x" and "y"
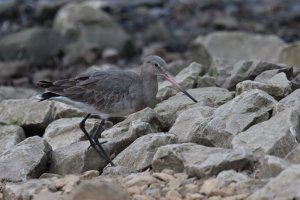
{"x": 55, "y": 39}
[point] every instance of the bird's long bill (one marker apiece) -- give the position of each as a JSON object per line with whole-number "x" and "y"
{"x": 177, "y": 86}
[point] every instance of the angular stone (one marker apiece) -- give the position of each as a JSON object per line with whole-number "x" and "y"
{"x": 206, "y": 81}
{"x": 271, "y": 166}
{"x": 186, "y": 78}
{"x": 188, "y": 122}
{"x": 47, "y": 43}
{"x": 26, "y": 160}
{"x": 276, "y": 90}
{"x": 62, "y": 110}
{"x": 200, "y": 161}
{"x": 294, "y": 155}
{"x": 7, "y": 92}
{"x": 138, "y": 156}
{"x": 235, "y": 116}
{"x": 10, "y": 135}
{"x": 199, "y": 53}
{"x": 276, "y": 136}
{"x": 31, "y": 115}
{"x": 243, "y": 46}
{"x": 134, "y": 126}
{"x": 211, "y": 96}
{"x": 63, "y": 132}
{"x": 284, "y": 186}
{"x": 290, "y": 55}
{"x": 292, "y": 101}
{"x": 76, "y": 158}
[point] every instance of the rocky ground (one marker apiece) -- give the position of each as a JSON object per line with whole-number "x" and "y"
{"x": 239, "y": 60}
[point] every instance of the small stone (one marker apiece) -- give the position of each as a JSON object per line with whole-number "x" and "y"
{"x": 134, "y": 190}
{"x": 66, "y": 184}
{"x": 89, "y": 175}
{"x": 173, "y": 195}
{"x": 194, "y": 196}
{"x": 163, "y": 176}
{"x": 141, "y": 180}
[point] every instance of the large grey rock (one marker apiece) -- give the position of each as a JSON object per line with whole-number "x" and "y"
{"x": 93, "y": 29}
{"x": 235, "y": 116}
{"x": 33, "y": 44}
{"x": 231, "y": 74}
{"x": 138, "y": 156}
{"x": 200, "y": 161}
{"x": 66, "y": 131}
{"x": 76, "y": 158}
{"x": 211, "y": 96}
{"x": 294, "y": 155}
{"x": 186, "y": 78}
{"x": 277, "y": 86}
{"x": 7, "y": 92}
{"x": 292, "y": 101}
{"x": 242, "y": 46}
{"x": 26, "y": 160}
{"x": 134, "y": 126}
{"x": 190, "y": 121}
{"x": 10, "y": 135}
{"x": 31, "y": 115}
{"x": 276, "y": 136}
{"x": 271, "y": 166}
{"x": 285, "y": 186}
{"x": 290, "y": 55}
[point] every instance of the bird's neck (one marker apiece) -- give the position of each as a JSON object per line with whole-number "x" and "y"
{"x": 150, "y": 86}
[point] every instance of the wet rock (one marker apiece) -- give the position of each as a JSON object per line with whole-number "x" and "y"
{"x": 243, "y": 46}
{"x": 289, "y": 55}
{"x": 19, "y": 45}
{"x": 200, "y": 161}
{"x": 276, "y": 136}
{"x": 7, "y": 92}
{"x": 189, "y": 122}
{"x": 88, "y": 28}
{"x": 206, "y": 81}
{"x": 231, "y": 74}
{"x": 284, "y": 186}
{"x": 235, "y": 116}
{"x": 76, "y": 158}
{"x": 31, "y": 115}
{"x": 271, "y": 166}
{"x": 278, "y": 86}
{"x": 294, "y": 155}
{"x": 64, "y": 132}
{"x": 134, "y": 126}
{"x": 10, "y": 135}
{"x": 138, "y": 156}
{"x": 26, "y": 160}
{"x": 186, "y": 78}
{"x": 10, "y": 69}
{"x": 211, "y": 96}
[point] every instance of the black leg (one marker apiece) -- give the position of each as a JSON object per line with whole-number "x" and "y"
{"x": 101, "y": 152}
{"x": 96, "y": 136}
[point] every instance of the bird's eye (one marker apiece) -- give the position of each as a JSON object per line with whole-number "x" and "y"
{"x": 156, "y": 65}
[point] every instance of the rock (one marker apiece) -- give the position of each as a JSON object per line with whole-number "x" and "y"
{"x": 26, "y": 160}
{"x": 206, "y": 81}
{"x": 176, "y": 66}
{"x": 200, "y": 161}
{"x": 235, "y": 116}
{"x": 10, "y": 69}
{"x": 76, "y": 158}
{"x": 271, "y": 166}
{"x": 134, "y": 126}
{"x": 138, "y": 156}
{"x": 284, "y": 186}
{"x": 64, "y": 132}
{"x": 7, "y": 92}
{"x": 62, "y": 110}
{"x": 31, "y": 115}
{"x": 93, "y": 190}
{"x": 186, "y": 78}
{"x": 289, "y": 55}
{"x": 278, "y": 86}
{"x": 47, "y": 43}
{"x": 89, "y": 28}
{"x": 273, "y": 137}
{"x": 10, "y": 135}
{"x": 265, "y": 76}
{"x": 198, "y": 53}
{"x": 242, "y": 46}
{"x": 294, "y": 155}
{"x": 211, "y": 96}
{"x": 229, "y": 183}
{"x": 189, "y": 121}
{"x": 292, "y": 101}
{"x": 157, "y": 31}
{"x": 235, "y": 72}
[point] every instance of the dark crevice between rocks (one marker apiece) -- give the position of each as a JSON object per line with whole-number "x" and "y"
{"x": 33, "y": 130}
